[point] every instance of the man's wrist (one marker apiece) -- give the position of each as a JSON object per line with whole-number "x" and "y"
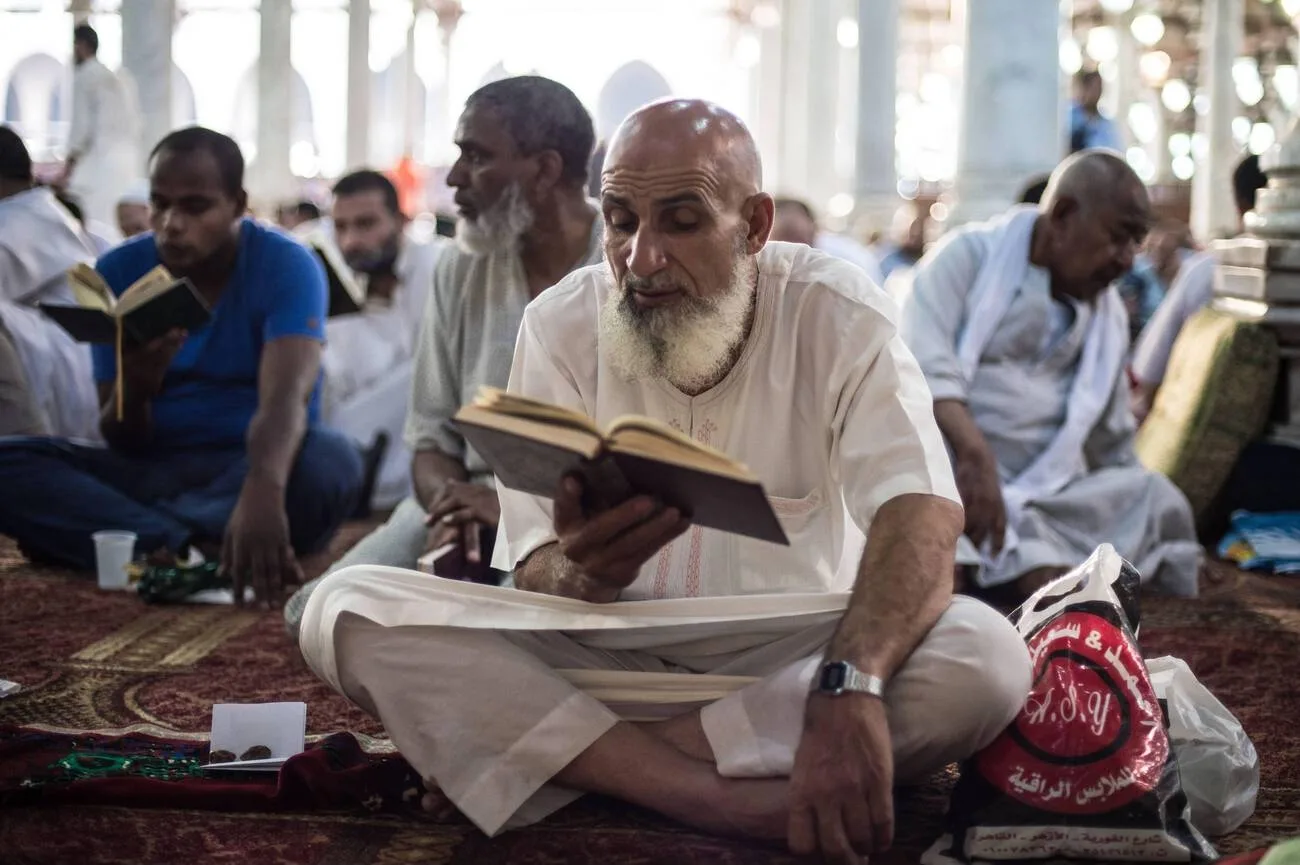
{"x": 263, "y": 484}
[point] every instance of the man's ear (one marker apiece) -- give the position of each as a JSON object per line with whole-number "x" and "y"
{"x": 550, "y": 170}
{"x": 1063, "y": 208}
{"x": 758, "y": 211}
{"x": 241, "y": 202}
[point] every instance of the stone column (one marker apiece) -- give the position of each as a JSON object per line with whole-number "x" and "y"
{"x": 147, "y": 27}
{"x": 358, "y": 139}
{"x": 410, "y": 104}
{"x": 820, "y": 95}
{"x": 272, "y": 177}
{"x": 875, "y": 183}
{"x": 81, "y": 10}
{"x": 768, "y": 127}
{"x": 1213, "y": 212}
{"x": 796, "y": 115}
{"x": 1128, "y": 80}
{"x": 1012, "y": 125}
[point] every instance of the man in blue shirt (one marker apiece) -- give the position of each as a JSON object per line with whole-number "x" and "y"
{"x": 1088, "y": 126}
{"x": 217, "y": 446}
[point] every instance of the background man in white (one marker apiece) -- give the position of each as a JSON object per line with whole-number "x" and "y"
{"x": 46, "y": 385}
{"x": 369, "y": 356}
{"x": 1022, "y": 339}
{"x": 525, "y": 222}
{"x": 103, "y": 155}
{"x": 786, "y": 359}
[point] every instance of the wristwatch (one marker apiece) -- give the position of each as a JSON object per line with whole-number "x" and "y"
{"x": 841, "y": 677}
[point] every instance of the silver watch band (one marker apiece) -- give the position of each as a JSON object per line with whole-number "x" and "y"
{"x": 863, "y": 683}
{"x": 841, "y": 677}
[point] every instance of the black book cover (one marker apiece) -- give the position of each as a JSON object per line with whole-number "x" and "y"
{"x": 180, "y": 306}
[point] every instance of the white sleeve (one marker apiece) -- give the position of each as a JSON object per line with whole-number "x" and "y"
{"x": 527, "y": 520}
{"x": 1193, "y": 288}
{"x": 934, "y": 312}
{"x": 436, "y": 373}
{"x": 884, "y": 439}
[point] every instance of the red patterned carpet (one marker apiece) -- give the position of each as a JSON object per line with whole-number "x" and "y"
{"x": 93, "y": 662}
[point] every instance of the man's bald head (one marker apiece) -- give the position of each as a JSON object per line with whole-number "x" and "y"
{"x": 1095, "y": 215}
{"x": 684, "y": 219}
{"x": 688, "y": 132}
{"x": 1092, "y": 178}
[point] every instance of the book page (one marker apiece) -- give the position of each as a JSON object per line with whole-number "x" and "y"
{"x": 649, "y": 438}
{"x": 89, "y": 288}
{"x": 498, "y": 401}
{"x": 144, "y": 289}
{"x": 582, "y": 441}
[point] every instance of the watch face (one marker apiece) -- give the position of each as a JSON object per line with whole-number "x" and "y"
{"x": 834, "y": 676}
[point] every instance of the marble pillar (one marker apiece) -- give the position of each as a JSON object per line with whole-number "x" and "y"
{"x": 1012, "y": 117}
{"x": 768, "y": 126}
{"x": 796, "y": 116}
{"x": 358, "y": 114}
{"x": 1213, "y": 211}
{"x": 410, "y": 86}
{"x": 1128, "y": 79}
{"x": 272, "y": 179}
{"x": 875, "y": 183}
{"x": 821, "y": 96}
{"x": 147, "y": 27}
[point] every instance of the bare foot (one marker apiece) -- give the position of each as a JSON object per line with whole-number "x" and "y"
{"x": 685, "y": 733}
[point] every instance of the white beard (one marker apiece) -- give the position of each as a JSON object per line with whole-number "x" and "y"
{"x": 499, "y": 227}
{"x": 691, "y": 344}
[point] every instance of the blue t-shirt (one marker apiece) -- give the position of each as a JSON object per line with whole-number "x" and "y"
{"x": 209, "y": 394}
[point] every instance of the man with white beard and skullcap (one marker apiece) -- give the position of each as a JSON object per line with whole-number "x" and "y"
{"x": 524, "y": 223}
{"x": 739, "y": 686}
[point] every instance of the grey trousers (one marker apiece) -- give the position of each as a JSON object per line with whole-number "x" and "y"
{"x": 19, "y": 415}
{"x": 398, "y": 543}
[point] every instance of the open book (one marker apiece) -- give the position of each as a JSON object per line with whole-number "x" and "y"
{"x": 153, "y": 305}
{"x": 347, "y": 294}
{"x": 531, "y": 446}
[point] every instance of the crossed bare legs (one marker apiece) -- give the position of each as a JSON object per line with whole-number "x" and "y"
{"x": 668, "y": 767}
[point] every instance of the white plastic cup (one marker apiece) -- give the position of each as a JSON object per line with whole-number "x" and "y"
{"x": 113, "y": 552}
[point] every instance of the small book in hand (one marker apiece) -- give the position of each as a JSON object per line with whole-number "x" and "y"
{"x": 347, "y": 294}
{"x": 155, "y": 304}
{"x": 531, "y": 446}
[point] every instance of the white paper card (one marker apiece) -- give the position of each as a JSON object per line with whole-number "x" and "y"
{"x": 236, "y": 727}
{"x": 220, "y": 596}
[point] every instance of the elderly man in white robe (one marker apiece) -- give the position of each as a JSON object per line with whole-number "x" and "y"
{"x": 515, "y": 702}
{"x": 524, "y": 223}
{"x": 368, "y": 357}
{"x": 46, "y": 383}
{"x": 1023, "y": 339}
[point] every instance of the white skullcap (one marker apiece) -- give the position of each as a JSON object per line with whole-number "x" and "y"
{"x": 136, "y": 193}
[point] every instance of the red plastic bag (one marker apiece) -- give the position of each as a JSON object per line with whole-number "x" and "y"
{"x": 1085, "y": 771}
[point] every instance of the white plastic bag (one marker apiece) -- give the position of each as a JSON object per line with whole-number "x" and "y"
{"x": 1217, "y": 762}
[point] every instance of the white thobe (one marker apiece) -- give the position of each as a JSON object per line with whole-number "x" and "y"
{"x": 104, "y": 138}
{"x": 848, "y": 249}
{"x": 491, "y": 691}
{"x": 1018, "y": 397}
{"x": 1192, "y": 291}
{"x": 367, "y": 363}
{"x": 39, "y": 241}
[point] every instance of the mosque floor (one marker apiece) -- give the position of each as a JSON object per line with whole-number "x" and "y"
{"x": 104, "y": 673}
